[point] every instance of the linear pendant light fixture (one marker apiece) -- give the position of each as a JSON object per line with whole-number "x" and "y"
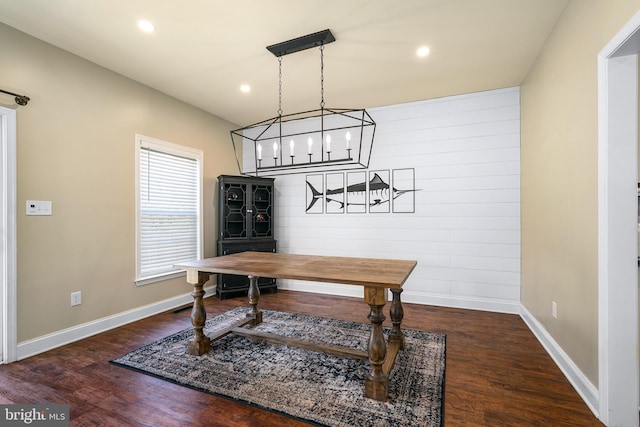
{"x": 324, "y": 139}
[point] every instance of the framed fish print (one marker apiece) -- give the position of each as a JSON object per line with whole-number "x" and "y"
{"x": 334, "y": 193}
{"x": 403, "y": 192}
{"x": 357, "y": 192}
{"x": 379, "y": 195}
{"x": 315, "y": 194}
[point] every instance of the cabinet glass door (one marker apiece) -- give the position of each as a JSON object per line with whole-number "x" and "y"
{"x": 235, "y": 211}
{"x": 262, "y": 221}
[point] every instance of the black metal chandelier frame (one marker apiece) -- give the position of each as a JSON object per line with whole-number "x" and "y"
{"x": 322, "y": 122}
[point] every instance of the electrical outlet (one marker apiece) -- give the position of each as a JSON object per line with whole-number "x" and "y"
{"x": 554, "y": 309}
{"x": 76, "y": 298}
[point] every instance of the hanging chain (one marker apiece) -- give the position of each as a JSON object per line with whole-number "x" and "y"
{"x": 322, "y": 76}
{"x": 279, "y": 86}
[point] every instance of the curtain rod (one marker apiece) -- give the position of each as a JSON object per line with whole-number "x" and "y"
{"x": 20, "y": 99}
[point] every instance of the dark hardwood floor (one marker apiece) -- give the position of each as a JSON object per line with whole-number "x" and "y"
{"x": 497, "y": 374}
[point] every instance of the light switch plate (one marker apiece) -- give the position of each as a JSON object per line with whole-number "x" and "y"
{"x": 76, "y": 298}
{"x": 38, "y": 207}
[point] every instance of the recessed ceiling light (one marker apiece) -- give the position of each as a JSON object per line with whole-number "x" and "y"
{"x": 423, "y": 51}
{"x": 146, "y": 26}
{"x": 245, "y": 88}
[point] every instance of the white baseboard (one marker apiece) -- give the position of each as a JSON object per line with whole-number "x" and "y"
{"x": 585, "y": 388}
{"x": 493, "y": 305}
{"x": 66, "y": 336}
{"x": 500, "y": 306}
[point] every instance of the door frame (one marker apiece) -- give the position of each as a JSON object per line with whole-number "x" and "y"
{"x": 8, "y": 242}
{"x": 617, "y": 227}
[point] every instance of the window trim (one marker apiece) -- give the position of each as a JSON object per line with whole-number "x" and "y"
{"x": 142, "y": 141}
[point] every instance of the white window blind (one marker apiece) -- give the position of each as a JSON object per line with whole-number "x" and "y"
{"x": 169, "y": 207}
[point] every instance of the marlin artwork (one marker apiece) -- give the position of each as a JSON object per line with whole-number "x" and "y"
{"x": 376, "y": 192}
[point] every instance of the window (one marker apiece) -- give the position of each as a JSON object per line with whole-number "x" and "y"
{"x": 168, "y": 208}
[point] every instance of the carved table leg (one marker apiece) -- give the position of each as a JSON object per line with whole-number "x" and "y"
{"x": 377, "y": 382}
{"x": 200, "y": 343}
{"x": 254, "y": 297}
{"x": 397, "y": 314}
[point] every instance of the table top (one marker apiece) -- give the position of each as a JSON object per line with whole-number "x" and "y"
{"x": 384, "y": 273}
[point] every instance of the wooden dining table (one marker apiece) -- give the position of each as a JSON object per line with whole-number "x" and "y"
{"x": 375, "y": 275}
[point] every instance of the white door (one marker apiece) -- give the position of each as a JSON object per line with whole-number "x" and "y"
{"x": 8, "y": 328}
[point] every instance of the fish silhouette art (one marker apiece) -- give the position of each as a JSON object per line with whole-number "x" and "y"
{"x": 378, "y": 193}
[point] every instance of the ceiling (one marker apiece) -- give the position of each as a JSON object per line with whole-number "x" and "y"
{"x": 203, "y": 50}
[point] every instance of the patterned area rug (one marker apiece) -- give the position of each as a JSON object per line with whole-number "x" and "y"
{"x": 318, "y": 388}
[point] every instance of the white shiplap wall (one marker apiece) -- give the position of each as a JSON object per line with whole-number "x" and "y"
{"x": 465, "y": 232}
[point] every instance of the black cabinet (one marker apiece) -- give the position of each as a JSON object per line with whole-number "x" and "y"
{"x": 245, "y": 223}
